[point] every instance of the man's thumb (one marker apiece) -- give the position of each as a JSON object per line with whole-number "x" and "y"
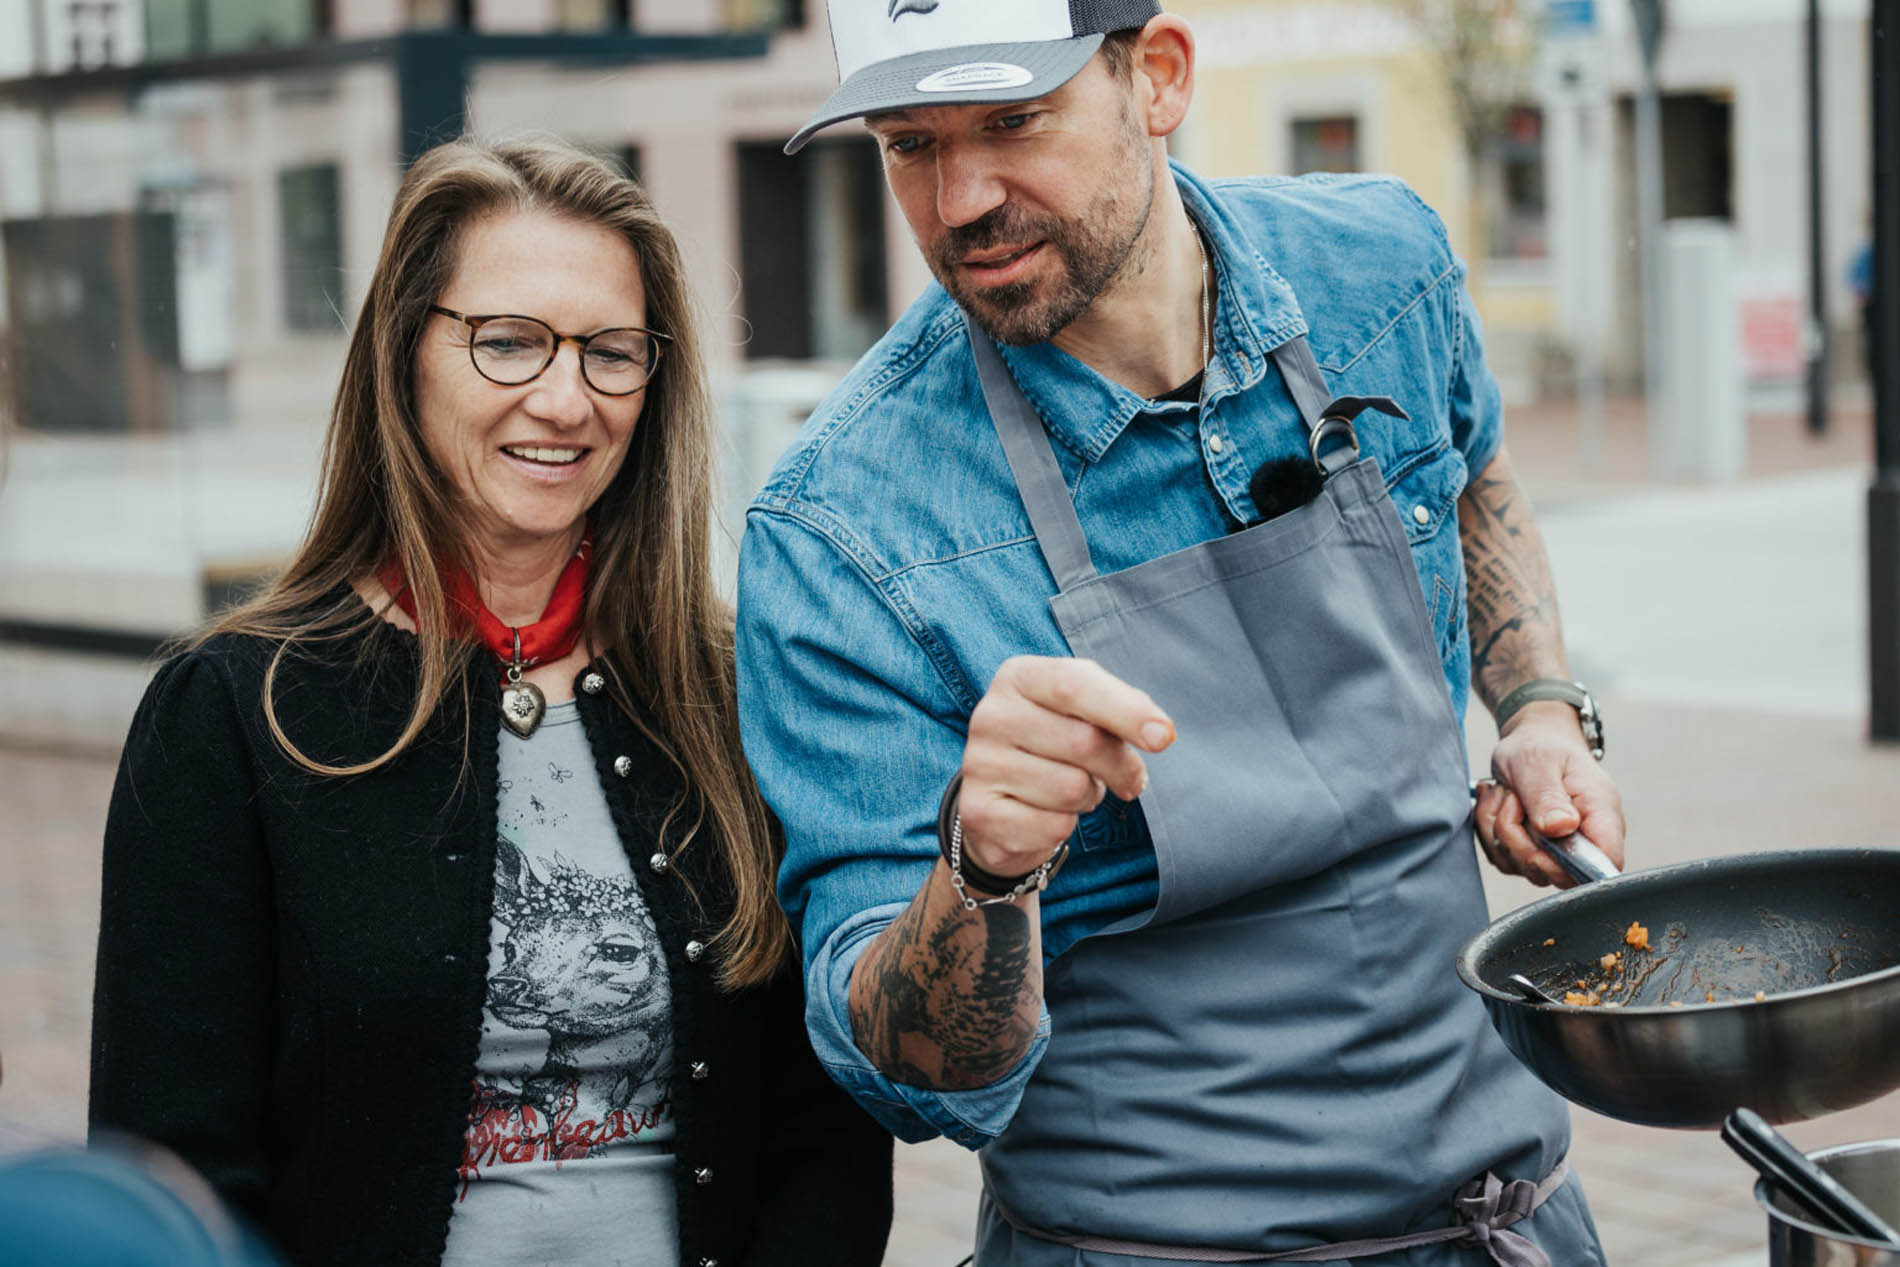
{"x": 1554, "y": 815}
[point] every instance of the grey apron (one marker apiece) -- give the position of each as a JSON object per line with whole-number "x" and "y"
{"x": 1277, "y": 1056}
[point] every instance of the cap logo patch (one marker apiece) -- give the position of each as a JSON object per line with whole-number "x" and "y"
{"x": 900, "y": 7}
{"x": 975, "y": 77}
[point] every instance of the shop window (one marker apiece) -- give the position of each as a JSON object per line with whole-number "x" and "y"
{"x": 1513, "y": 176}
{"x": 188, "y": 28}
{"x": 311, "y": 231}
{"x": 811, "y": 235}
{"x": 588, "y": 15}
{"x": 1328, "y": 144}
{"x": 428, "y": 15}
{"x": 764, "y": 15}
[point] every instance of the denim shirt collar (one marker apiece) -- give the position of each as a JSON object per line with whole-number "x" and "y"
{"x": 1254, "y": 312}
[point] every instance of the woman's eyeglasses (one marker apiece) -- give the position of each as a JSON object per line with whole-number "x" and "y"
{"x": 512, "y": 350}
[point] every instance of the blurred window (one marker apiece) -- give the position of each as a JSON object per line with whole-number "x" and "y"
{"x": 1328, "y": 144}
{"x": 311, "y": 224}
{"x": 1698, "y": 136}
{"x": 430, "y": 14}
{"x": 764, "y": 15}
{"x": 189, "y": 28}
{"x": 91, "y": 333}
{"x": 811, "y": 242}
{"x": 83, "y": 34}
{"x": 1513, "y": 182}
{"x": 1698, "y": 155}
{"x": 588, "y": 15}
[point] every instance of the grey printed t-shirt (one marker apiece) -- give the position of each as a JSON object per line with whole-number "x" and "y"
{"x": 568, "y": 1156}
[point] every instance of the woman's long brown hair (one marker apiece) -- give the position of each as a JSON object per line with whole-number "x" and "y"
{"x": 652, "y": 608}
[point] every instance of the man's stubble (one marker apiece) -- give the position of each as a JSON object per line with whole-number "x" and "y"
{"x": 1094, "y": 248}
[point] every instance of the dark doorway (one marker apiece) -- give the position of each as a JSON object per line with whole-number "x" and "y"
{"x": 93, "y": 307}
{"x": 811, "y": 249}
{"x": 1698, "y": 135}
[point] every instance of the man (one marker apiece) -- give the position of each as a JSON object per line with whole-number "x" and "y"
{"x": 1128, "y": 569}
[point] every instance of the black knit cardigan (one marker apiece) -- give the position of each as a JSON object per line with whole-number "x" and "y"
{"x": 292, "y": 970}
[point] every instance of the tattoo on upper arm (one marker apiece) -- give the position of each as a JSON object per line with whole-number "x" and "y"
{"x": 1515, "y": 634}
{"x": 949, "y": 1001}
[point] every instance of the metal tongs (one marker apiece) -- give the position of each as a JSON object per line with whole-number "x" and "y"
{"x": 1786, "y": 1167}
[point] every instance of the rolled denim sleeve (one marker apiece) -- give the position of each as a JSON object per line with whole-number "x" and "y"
{"x": 1477, "y": 407}
{"x": 852, "y": 733}
{"x": 971, "y": 1118}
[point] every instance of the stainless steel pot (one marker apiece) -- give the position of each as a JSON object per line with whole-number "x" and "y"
{"x": 1872, "y": 1173}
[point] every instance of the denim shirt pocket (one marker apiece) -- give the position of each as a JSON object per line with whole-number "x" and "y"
{"x": 1114, "y": 824}
{"x": 1425, "y": 494}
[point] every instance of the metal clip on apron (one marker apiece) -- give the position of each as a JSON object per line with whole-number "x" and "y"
{"x": 1298, "y": 1061}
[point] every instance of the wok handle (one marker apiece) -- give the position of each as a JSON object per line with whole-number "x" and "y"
{"x": 1575, "y": 852}
{"x": 1577, "y": 855}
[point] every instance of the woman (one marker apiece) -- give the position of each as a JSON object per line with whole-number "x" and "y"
{"x": 438, "y": 922}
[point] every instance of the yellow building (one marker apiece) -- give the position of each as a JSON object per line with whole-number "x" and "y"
{"x": 1546, "y": 216}
{"x": 1287, "y": 86}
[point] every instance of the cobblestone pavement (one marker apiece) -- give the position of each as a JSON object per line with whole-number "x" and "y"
{"x": 1725, "y": 627}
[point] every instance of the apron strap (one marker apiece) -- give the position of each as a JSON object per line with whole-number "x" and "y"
{"x": 1038, "y": 477}
{"x": 1304, "y": 382}
{"x": 1485, "y": 1209}
{"x": 1039, "y": 482}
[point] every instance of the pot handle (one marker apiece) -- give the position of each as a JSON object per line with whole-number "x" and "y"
{"x": 1577, "y": 855}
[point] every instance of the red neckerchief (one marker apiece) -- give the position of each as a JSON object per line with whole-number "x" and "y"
{"x": 546, "y": 640}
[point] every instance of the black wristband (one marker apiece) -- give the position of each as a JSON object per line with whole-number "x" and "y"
{"x": 973, "y": 876}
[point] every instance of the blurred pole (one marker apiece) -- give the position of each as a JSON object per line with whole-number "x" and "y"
{"x": 1816, "y": 340}
{"x": 1883, "y": 499}
{"x": 1590, "y": 426}
{"x": 42, "y": 64}
{"x": 38, "y": 63}
{"x": 1649, "y": 200}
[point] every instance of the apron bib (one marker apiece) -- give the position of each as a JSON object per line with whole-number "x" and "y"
{"x": 1278, "y": 1055}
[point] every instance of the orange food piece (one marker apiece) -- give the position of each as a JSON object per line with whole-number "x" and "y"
{"x": 1575, "y": 999}
{"x": 1637, "y": 936}
{"x": 1550, "y": 941}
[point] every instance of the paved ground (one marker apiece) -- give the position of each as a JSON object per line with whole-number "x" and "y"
{"x": 1723, "y": 626}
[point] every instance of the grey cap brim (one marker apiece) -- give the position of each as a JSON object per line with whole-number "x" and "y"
{"x": 892, "y": 84}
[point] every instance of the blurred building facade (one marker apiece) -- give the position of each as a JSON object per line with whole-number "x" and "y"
{"x": 192, "y": 194}
{"x": 1546, "y": 217}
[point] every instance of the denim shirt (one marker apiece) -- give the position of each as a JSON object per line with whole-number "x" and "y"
{"x": 888, "y": 567}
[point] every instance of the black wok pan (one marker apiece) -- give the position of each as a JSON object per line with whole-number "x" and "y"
{"x": 1814, "y": 932}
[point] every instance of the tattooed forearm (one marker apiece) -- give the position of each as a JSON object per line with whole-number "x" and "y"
{"x": 949, "y": 998}
{"x": 1515, "y": 632}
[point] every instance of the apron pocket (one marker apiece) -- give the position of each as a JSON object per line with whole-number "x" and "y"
{"x": 1114, "y": 824}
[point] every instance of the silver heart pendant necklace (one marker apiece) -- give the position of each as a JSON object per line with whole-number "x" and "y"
{"x": 522, "y": 703}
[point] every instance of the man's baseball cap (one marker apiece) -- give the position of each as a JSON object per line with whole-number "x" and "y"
{"x": 902, "y": 54}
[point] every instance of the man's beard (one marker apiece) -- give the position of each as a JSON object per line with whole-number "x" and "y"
{"x": 1092, "y": 248}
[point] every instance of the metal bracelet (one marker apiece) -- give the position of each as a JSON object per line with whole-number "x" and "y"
{"x": 1035, "y": 882}
{"x": 1575, "y": 694}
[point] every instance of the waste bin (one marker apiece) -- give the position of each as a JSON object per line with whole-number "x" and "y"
{"x": 1699, "y": 433}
